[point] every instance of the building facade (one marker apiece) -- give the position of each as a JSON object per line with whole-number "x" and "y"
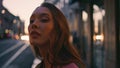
{"x": 97, "y": 26}
{"x": 10, "y": 24}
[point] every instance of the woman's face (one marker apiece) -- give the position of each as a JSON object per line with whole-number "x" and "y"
{"x": 41, "y": 26}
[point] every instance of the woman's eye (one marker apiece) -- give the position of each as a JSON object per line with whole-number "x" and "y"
{"x": 31, "y": 21}
{"x": 44, "y": 20}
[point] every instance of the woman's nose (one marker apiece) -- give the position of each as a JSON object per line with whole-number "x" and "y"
{"x": 35, "y": 25}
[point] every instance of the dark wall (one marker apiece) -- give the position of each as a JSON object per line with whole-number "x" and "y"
{"x": 117, "y": 33}
{"x": 110, "y": 34}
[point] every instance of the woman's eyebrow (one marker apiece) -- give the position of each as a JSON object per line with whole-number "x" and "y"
{"x": 40, "y": 15}
{"x": 43, "y": 14}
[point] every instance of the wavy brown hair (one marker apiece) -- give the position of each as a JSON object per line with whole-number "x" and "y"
{"x": 60, "y": 51}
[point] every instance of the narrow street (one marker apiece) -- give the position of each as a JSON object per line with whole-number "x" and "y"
{"x": 15, "y": 54}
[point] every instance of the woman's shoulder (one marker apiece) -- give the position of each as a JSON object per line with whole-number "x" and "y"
{"x": 70, "y": 65}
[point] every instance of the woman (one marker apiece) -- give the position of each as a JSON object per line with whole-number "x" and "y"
{"x": 49, "y": 38}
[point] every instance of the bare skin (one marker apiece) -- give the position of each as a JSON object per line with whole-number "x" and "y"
{"x": 40, "y": 28}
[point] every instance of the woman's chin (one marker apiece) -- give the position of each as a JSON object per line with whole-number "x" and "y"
{"x": 38, "y": 44}
{"x": 34, "y": 43}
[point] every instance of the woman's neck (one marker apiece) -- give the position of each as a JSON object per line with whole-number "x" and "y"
{"x": 44, "y": 52}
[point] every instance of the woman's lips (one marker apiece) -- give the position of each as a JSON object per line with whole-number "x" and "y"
{"x": 35, "y": 34}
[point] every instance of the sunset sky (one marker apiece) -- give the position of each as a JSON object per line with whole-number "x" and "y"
{"x": 22, "y": 8}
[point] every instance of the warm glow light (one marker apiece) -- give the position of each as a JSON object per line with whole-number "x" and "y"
{"x": 96, "y": 7}
{"x": 71, "y": 39}
{"x": 25, "y": 37}
{"x": 99, "y": 37}
{"x": 84, "y": 16}
{"x": 103, "y": 12}
{"x": 3, "y": 11}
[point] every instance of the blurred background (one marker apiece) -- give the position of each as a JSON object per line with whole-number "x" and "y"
{"x": 94, "y": 26}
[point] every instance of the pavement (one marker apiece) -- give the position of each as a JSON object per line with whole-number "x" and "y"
{"x": 15, "y": 54}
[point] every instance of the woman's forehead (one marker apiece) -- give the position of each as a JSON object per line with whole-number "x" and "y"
{"x": 42, "y": 10}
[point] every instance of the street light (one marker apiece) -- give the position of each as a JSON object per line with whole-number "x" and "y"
{"x": 3, "y": 11}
